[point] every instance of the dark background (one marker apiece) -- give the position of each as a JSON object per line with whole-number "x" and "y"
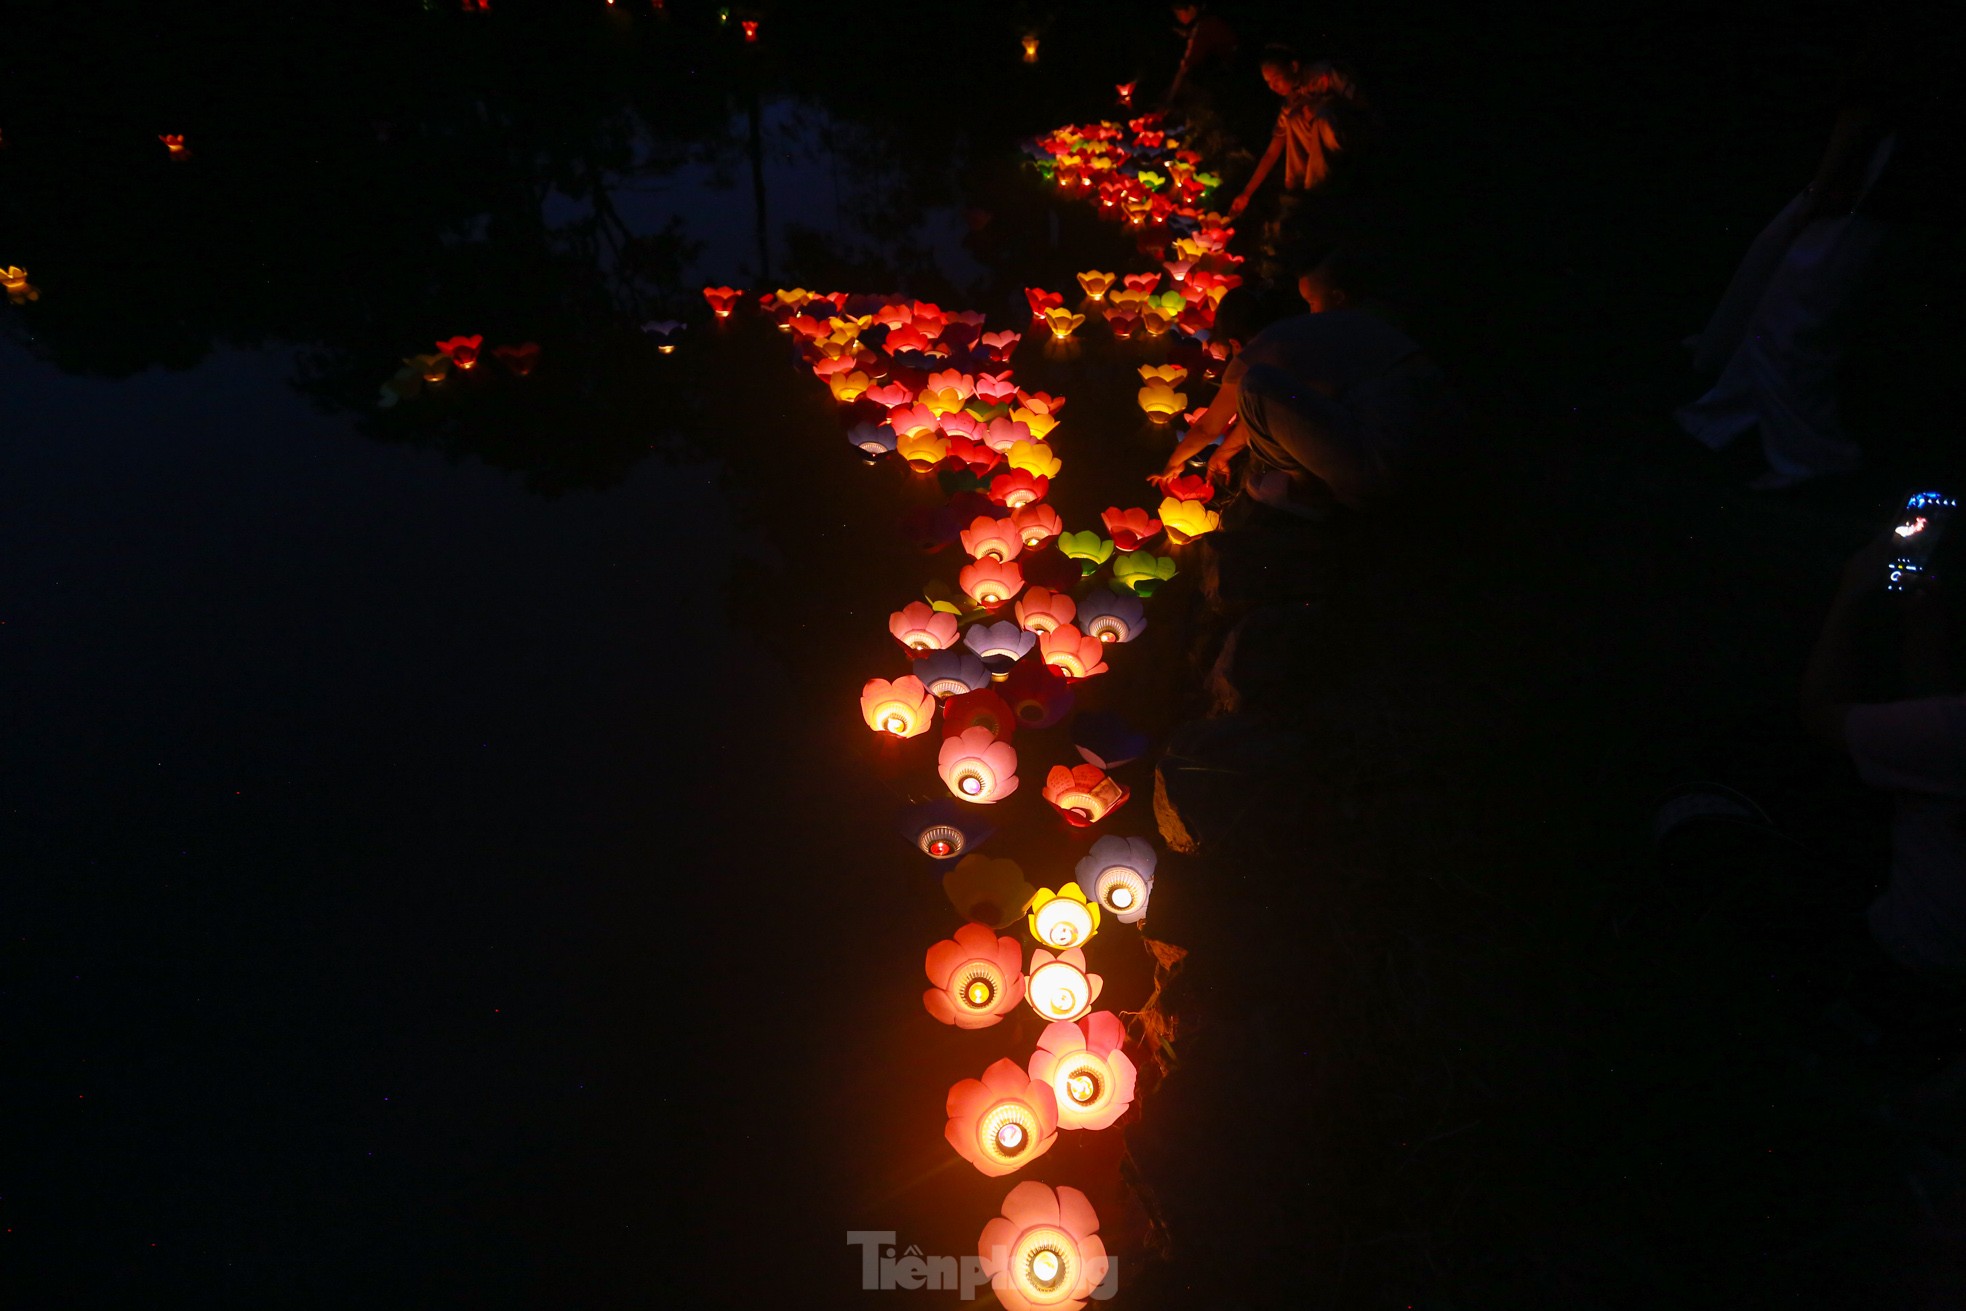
{"x": 444, "y": 865}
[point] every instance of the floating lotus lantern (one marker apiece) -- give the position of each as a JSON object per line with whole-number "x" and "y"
{"x": 1018, "y": 488}
{"x": 1097, "y": 284}
{"x": 922, "y": 628}
{"x": 974, "y": 456}
{"x": 1037, "y": 693}
{"x": 1000, "y": 645}
{"x": 1041, "y": 610}
{"x": 13, "y": 279}
{"x": 1071, "y": 653}
{"x": 174, "y": 145}
{"x": 1063, "y": 322}
{"x": 1171, "y": 374}
{"x": 432, "y": 368}
{"x": 986, "y": 891}
{"x": 1122, "y": 322}
{"x": 908, "y": 338}
{"x": 1118, "y": 874}
{"x": 1141, "y": 574}
{"x": 1003, "y": 1121}
{"x": 1178, "y": 269}
{"x": 724, "y": 299}
{"x": 992, "y": 539}
{"x": 1160, "y": 401}
{"x": 890, "y": 395}
{"x": 1187, "y": 520}
{"x": 902, "y": 707}
{"x": 1112, "y": 617}
{"x": 941, "y": 829}
{"x": 849, "y": 387}
{"x": 979, "y": 709}
{"x": 519, "y": 359}
{"x": 1063, "y": 918}
{"x": 1091, "y": 1078}
{"x": 996, "y": 388}
{"x": 1156, "y": 324}
{"x": 663, "y": 332}
{"x": 1034, "y": 422}
{"x": 871, "y": 439}
{"x": 1131, "y": 528}
{"x": 1034, "y": 458}
{"x": 945, "y": 392}
{"x": 905, "y": 419}
{"x": 951, "y": 672}
{"x": 1083, "y": 794}
{"x": 1042, "y": 301}
{"x": 990, "y": 582}
{"x": 750, "y": 26}
{"x": 977, "y": 977}
{"x": 977, "y": 767}
{"x": 463, "y": 352}
{"x": 1000, "y": 434}
{"x": 1088, "y": 548}
{"x": 1000, "y": 345}
{"x": 1067, "y": 990}
{"x": 1030, "y": 50}
{"x": 922, "y": 450}
{"x": 1125, "y": 90}
{"x": 1190, "y": 486}
{"x": 1044, "y": 1251}
{"x": 1036, "y": 524}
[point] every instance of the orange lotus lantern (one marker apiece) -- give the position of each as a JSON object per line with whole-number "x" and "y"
{"x": 849, "y": 387}
{"x": 1030, "y": 49}
{"x": 902, "y": 707}
{"x": 174, "y": 145}
{"x": 1057, "y": 987}
{"x": 13, "y": 279}
{"x": 1083, "y": 794}
{"x": 977, "y": 767}
{"x": 724, "y": 299}
{"x": 1041, "y": 610}
{"x": 1018, "y": 488}
{"x": 977, "y": 977}
{"x": 1130, "y": 529}
{"x": 991, "y": 539}
{"x": 1044, "y": 1251}
{"x": 1003, "y": 1121}
{"x": 1187, "y": 520}
{"x": 1036, "y": 524}
{"x": 990, "y": 582}
{"x": 1159, "y": 400}
{"x": 1034, "y": 458}
{"x": 1156, "y": 324}
{"x": 1097, "y": 284}
{"x": 1062, "y": 321}
{"x": 463, "y": 352}
{"x": 1171, "y": 374}
{"x": 922, "y": 450}
{"x": 1000, "y": 345}
{"x": 1072, "y": 653}
{"x": 1062, "y": 919}
{"x": 922, "y": 628}
{"x": 1091, "y": 1079}
{"x": 1126, "y": 90}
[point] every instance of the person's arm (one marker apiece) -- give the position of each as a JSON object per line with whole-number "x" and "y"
{"x": 1827, "y": 677}
{"x": 1231, "y": 447}
{"x": 1220, "y": 414}
{"x": 1256, "y": 179}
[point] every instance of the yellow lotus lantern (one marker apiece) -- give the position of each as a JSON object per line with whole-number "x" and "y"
{"x": 432, "y": 368}
{"x": 1044, "y": 1251}
{"x": 19, "y": 290}
{"x": 1161, "y": 401}
{"x": 922, "y": 450}
{"x": 1091, "y": 1078}
{"x": 1034, "y": 458}
{"x": 1039, "y": 425}
{"x": 849, "y": 387}
{"x": 1187, "y": 520}
{"x": 1171, "y": 374}
{"x": 1003, "y": 1121}
{"x": 1155, "y": 322}
{"x": 1097, "y": 284}
{"x": 1063, "y": 322}
{"x": 902, "y": 707}
{"x": 1057, "y": 987}
{"x": 1063, "y": 918}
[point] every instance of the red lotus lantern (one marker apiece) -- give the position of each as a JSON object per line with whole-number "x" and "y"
{"x": 1003, "y": 1121}
{"x": 1083, "y": 794}
{"x": 902, "y": 707}
{"x": 922, "y": 628}
{"x": 974, "y": 455}
{"x": 1038, "y": 694}
{"x": 1036, "y": 524}
{"x": 1129, "y": 529}
{"x": 977, "y": 977}
{"x": 1073, "y": 654}
{"x": 463, "y": 351}
{"x": 1125, "y": 90}
{"x": 174, "y": 145}
{"x": 1189, "y": 487}
{"x": 1142, "y": 282}
{"x": 722, "y": 300}
{"x": 519, "y": 359}
{"x": 750, "y": 26}
{"x": 990, "y": 582}
{"x": 1042, "y": 610}
{"x": 982, "y": 709}
{"x": 1042, "y": 300}
{"x": 1018, "y": 488}
{"x": 991, "y": 539}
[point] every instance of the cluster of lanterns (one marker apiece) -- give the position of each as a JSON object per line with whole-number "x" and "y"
{"x": 1004, "y": 645}
{"x": 453, "y": 358}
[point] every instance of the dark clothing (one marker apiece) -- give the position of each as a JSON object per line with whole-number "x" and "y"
{"x": 1211, "y": 44}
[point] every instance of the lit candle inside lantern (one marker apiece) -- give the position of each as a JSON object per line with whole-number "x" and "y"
{"x": 902, "y": 707}
{"x": 174, "y": 145}
{"x": 1118, "y": 873}
{"x": 1041, "y": 610}
{"x": 1036, "y": 524}
{"x": 990, "y": 582}
{"x": 1003, "y": 1121}
{"x": 1072, "y": 653}
{"x": 977, "y": 767}
{"x": 1058, "y": 988}
{"x": 1030, "y": 49}
{"x": 1063, "y": 918}
{"x": 1044, "y": 1250}
{"x": 976, "y": 978}
{"x": 722, "y": 300}
{"x": 1083, "y": 794}
{"x": 1091, "y": 1077}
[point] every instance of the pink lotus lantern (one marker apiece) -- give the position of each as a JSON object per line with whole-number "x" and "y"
{"x": 1034, "y": 458}
{"x": 907, "y": 419}
{"x": 1178, "y": 269}
{"x": 889, "y": 395}
{"x": 1063, "y": 322}
{"x": 1000, "y": 345}
{"x": 1090, "y": 1077}
{"x": 1130, "y": 529}
{"x": 1036, "y": 524}
{"x": 995, "y": 388}
{"x": 1018, "y": 488}
{"x": 1042, "y": 300}
{"x": 977, "y": 767}
{"x": 1057, "y": 987}
{"x": 945, "y": 392}
{"x": 1072, "y": 653}
{"x": 1142, "y": 282}
{"x": 1044, "y": 1251}
{"x": 1001, "y": 434}
{"x": 991, "y": 539}
{"x": 1042, "y": 610}
{"x": 1083, "y": 794}
{"x": 902, "y": 707}
{"x": 922, "y": 628}
{"x": 990, "y": 582}
{"x": 1097, "y": 284}
{"x": 977, "y": 977}
{"x": 1003, "y": 1121}
{"x": 722, "y": 300}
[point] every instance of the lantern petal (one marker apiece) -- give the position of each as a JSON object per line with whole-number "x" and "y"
{"x": 993, "y": 1247}
{"x": 1032, "y": 1203}
{"x": 1003, "y": 1076}
{"x": 1076, "y": 1216}
{"x": 971, "y": 1097}
{"x": 941, "y": 960}
{"x": 939, "y": 1005}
